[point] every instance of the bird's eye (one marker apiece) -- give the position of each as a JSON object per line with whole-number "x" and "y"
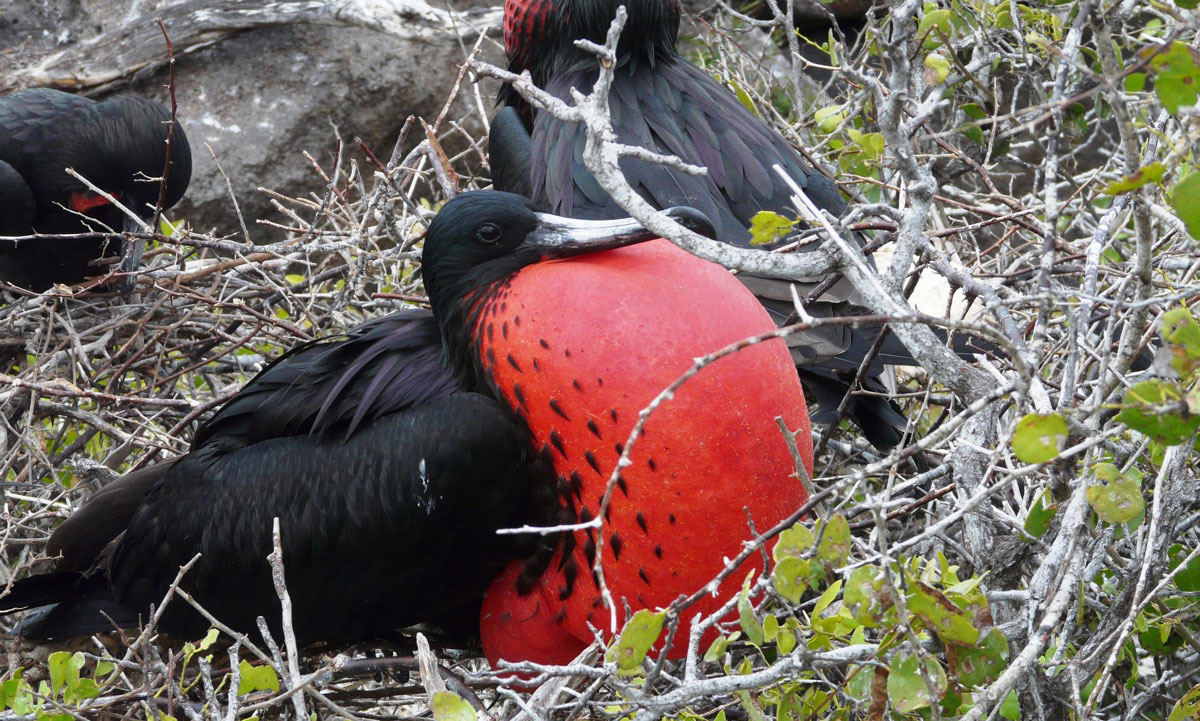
{"x": 488, "y": 233}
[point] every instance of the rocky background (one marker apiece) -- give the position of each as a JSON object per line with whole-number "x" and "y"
{"x": 259, "y": 90}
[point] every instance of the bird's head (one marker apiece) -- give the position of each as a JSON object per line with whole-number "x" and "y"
{"x": 120, "y": 146}
{"x": 480, "y": 239}
{"x": 540, "y": 35}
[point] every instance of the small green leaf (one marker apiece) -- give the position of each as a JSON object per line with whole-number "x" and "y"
{"x": 1155, "y": 408}
{"x": 937, "y": 69}
{"x": 770, "y": 628}
{"x": 64, "y": 670}
{"x": 864, "y": 594}
{"x": 637, "y": 638}
{"x": 981, "y": 663}
{"x": 767, "y": 227}
{"x": 1176, "y": 77}
{"x": 1041, "y": 515}
{"x": 749, "y": 621}
{"x": 256, "y": 678}
{"x": 1187, "y": 4}
{"x": 1185, "y": 199}
{"x": 789, "y": 578}
{"x": 906, "y": 686}
{"x": 795, "y": 541}
{"x": 974, "y": 111}
{"x": 1039, "y": 438}
{"x": 934, "y": 27}
{"x": 1152, "y": 173}
{"x": 1011, "y": 707}
{"x": 787, "y": 641}
{"x": 834, "y": 548}
{"x": 949, "y": 622}
{"x": 1187, "y": 707}
{"x": 1117, "y": 498}
{"x": 716, "y": 649}
{"x": 1135, "y": 82}
{"x": 829, "y": 117}
{"x": 449, "y": 706}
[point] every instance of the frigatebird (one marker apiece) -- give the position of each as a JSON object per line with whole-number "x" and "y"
{"x": 386, "y": 453}
{"x": 119, "y": 145}
{"x": 662, "y": 102}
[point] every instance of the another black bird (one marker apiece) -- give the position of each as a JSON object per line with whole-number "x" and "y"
{"x": 662, "y": 102}
{"x": 383, "y": 453}
{"x": 120, "y": 145}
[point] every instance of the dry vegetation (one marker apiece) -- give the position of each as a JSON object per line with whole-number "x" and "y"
{"x": 1037, "y": 159}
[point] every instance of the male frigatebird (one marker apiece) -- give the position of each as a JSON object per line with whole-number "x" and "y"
{"x": 392, "y": 455}
{"x": 664, "y": 103}
{"x": 120, "y": 145}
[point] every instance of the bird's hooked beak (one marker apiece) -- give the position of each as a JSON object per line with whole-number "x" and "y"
{"x": 558, "y": 237}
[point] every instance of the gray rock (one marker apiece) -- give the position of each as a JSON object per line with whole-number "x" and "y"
{"x": 261, "y": 97}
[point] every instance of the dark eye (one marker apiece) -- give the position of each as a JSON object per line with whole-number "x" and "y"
{"x": 488, "y": 233}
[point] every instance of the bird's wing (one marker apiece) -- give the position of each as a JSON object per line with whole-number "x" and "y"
{"x": 675, "y": 108}
{"x": 333, "y": 386}
{"x": 392, "y": 525}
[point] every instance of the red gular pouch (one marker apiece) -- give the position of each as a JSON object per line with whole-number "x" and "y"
{"x": 579, "y": 347}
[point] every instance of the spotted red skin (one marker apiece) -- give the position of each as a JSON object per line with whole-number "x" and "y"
{"x": 579, "y": 347}
{"x": 524, "y": 28}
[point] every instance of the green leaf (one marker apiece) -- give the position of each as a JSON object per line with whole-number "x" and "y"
{"x": 787, "y": 641}
{"x": 750, "y": 623}
{"x": 1154, "y": 408}
{"x": 974, "y": 111}
{"x": 906, "y": 686}
{"x": 716, "y": 649}
{"x": 256, "y": 678}
{"x": 1041, "y": 515}
{"x": 449, "y": 706}
{"x": 1152, "y": 173}
{"x": 1039, "y": 438}
{"x": 770, "y": 628}
{"x": 934, "y": 27}
{"x": 743, "y": 96}
{"x": 637, "y": 638}
{"x": 937, "y": 69}
{"x": 64, "y": 670}
{"x": 834, "y": 548}
{"x": 1135, "y": 82}
{"x": 1187, "y": 4}
{"x": 1185, "y": 199}
{"x": 941, "y": 616}
{"x": 767, "y": 227}
{"x": 789, "y": 578}
{"x": 1188, "y": 579}
{"x": 795, "y": 541}
{"x": 1181, "y": 331}
{"x": 981, "y": 663}
{"x": 864, "y": 594}
{"x": 1187, "y": 707}
{"x": 1011, "y": 707}
{"x": 1176, "y": 77}
{"x": 1117, "y": 498}
{"x": 829, "y": 117}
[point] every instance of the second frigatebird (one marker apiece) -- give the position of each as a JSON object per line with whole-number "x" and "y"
{"x": 385, "y": 454}
{"x": 662, "y": 102}
{"x": 119, "y": 144}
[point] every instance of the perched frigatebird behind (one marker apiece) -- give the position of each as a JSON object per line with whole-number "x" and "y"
{"x": 384, "y": 454}
{"x": 664, "y": 103}
{"x": 119, "y": 145}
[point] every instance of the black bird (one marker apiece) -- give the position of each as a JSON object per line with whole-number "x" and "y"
{"x": 384, "y": 453}
{"x": 119, "y": 144}
{"x": 662, "y": 102}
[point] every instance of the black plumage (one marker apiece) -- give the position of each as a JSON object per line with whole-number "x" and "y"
{"x": 119, "y": 144}
{"x": 383, "y": 452}
{"x": 662, "y": 102}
